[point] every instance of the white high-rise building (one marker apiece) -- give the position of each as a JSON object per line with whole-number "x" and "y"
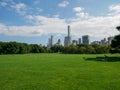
{"x": 50, "y": 41}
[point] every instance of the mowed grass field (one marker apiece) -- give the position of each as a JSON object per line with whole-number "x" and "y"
{"x": 59, "y": 72}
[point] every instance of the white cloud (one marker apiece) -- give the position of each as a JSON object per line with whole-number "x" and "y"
{"x": 42, "y": 20}
{"x": 3, "y": 28}
{"x": 114, "y": 9}
{"x": 78, "y": 9}
{"x": 82, "y": 15}
{"x": 80, "y": 12}
{"x": 29, "y": 17}
{"x": 63, "y": 4}
{"x": 20, "y": 8}
{"x": 21, "y": 30}
{"x": 43, "y": 26}
{"x": 97, "y": 27}
{"x": 25, "y": 31}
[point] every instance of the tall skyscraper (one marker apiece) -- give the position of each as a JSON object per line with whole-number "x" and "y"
{"x": 86, "y": 39}
{"x": 67, "y": 40}
{"x": 50, "y": 41}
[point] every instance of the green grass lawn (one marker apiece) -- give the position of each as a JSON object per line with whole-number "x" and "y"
{"x": 59, "y": 72}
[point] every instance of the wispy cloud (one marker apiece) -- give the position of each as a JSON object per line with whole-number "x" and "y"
{"x": 6, "y": 3}
{"x": 20, "y": 8}
{"x": 63, "y": 4}
{"x": 3, "y": 4}
{"x": 39, "y": 10}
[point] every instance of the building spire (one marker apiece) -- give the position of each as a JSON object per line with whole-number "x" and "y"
{"x": 68, "y": 30}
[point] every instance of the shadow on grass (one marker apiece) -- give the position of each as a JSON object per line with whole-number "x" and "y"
{"x": 104, "y": 59}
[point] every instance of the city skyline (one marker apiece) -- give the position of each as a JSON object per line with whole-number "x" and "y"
{"x": 35, "y": 21}
{"x": 85, "y": 39}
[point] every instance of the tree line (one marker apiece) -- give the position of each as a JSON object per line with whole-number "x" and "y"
{"x": 20, "y": 48}
{"x": 24, "y": 48}
{"x": 81, "y": 49}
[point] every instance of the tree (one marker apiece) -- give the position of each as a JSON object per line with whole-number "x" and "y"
{"x": 116, "y": 43}
{"x": 81, "y": 50}
{"x": 24, "y": 48}
{"x": 57, "y": 48}
{"x": 118, "y": 28}
{"x": 90, "y": 49}
{"x": 11, "y": 48}
{"x": 2, "y": 44}
{"x": 35, "y": 48}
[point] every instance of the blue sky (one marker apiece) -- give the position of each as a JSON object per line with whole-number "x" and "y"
{"x": 33, "y": 21}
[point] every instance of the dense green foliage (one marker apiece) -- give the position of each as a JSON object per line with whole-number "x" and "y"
{"x": 116, "y": 44}
{"x": 59, "y": 72}
{"x": 22, "y": 48}
{"x": 82, "y": 49}
{"x": 118, "y": 28}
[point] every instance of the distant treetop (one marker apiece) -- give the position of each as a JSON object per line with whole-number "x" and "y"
{"x": 118, "y": 28}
